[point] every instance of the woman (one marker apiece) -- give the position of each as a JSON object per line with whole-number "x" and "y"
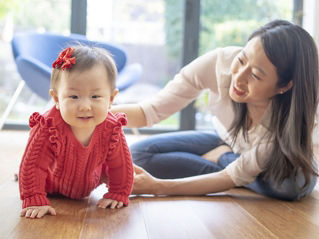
{"x": 264, "y": 97}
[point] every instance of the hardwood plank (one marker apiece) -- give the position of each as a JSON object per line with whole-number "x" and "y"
{"x": 172, "y": 217}
{"x": 10, "y": 205}
{"x": 12, "y": 147}
{"x": 67, "y": 223}
{"x": 225, "y": 219}
{"x": 282, "y": 218}
{"x": 200, "y": 217}
{"x": 127, "y": 222}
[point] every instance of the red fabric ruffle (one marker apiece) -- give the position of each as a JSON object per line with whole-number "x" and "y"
{"x": 121, "y": 120}
{"x": 36, "y": 119}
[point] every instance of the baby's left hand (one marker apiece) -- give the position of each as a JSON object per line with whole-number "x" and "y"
{"x": 106, "y": 202}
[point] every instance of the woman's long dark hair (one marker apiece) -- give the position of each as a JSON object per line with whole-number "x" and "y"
{"x": 294, "y": 54}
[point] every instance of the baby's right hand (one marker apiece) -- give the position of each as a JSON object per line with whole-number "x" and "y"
{"x": 37, "y": 211}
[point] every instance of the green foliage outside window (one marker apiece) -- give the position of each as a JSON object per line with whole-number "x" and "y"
{"x": 49, "y": 15}
{"x": 227, "y": 22}
{"x": 7, "y": 7}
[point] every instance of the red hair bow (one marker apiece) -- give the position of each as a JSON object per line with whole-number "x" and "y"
{"x": 64, "y": 60}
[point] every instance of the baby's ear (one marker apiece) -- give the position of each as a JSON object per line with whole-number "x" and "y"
{"x": 54, "y": 97}
{"x": 113, "y": 94}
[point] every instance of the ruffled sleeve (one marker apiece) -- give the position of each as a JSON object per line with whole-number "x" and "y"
{"x": 119, "y": 163}
{"x": 116, "y": 134}
{"x": 35, "y": 160}
{"x": 37, "y": 119}
{"x": 55, "y": 141}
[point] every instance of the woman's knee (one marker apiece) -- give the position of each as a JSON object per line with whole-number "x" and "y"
{"x": 226, "y": 159}
{"x": 139, "y": 153}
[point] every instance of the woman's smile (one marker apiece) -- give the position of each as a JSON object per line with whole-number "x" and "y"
{"x": 238, "y": 91}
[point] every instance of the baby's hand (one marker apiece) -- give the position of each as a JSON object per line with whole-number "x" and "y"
{"x": 37, "y": 211}
{"x": 106, "y": 202}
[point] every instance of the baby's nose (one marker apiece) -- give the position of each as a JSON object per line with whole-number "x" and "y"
{"x": 85, "y": 104}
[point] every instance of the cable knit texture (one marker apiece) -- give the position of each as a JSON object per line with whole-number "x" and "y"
{"x": 54, "y": 161}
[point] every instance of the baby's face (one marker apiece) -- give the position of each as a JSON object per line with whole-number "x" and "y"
{"x": 84, "y": 97}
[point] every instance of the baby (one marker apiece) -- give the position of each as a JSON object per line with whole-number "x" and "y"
{"x": 78, "y": 143}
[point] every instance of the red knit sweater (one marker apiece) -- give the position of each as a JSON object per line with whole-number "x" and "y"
{"x": 54, "y": 161}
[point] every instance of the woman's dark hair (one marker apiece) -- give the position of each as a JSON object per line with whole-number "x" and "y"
{"x": 294, "y": 54}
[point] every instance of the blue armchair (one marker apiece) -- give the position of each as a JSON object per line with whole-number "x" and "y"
{"x": 34, "y": 54}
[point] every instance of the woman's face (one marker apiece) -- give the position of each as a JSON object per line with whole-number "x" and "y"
{"x": 254, "y": 77}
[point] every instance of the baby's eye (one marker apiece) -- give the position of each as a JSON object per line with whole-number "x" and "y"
{"x": 74, "y": 97}
{"x": 95, "y": 96}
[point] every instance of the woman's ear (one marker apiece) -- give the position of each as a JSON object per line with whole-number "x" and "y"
{"x": 55, "y": 98}
{"x": 284, "y": 89}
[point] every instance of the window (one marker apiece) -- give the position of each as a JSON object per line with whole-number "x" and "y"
{"x": 24, "y": 15}
{"x": 143, "y": 29}
{"x": 151, "y": 32}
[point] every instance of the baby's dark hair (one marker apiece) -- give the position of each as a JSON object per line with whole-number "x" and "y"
{"x": 86, "y": 57}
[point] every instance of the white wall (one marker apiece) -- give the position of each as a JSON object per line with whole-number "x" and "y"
{"x": 311, "y": 24}
{"x": 311, "y": 18}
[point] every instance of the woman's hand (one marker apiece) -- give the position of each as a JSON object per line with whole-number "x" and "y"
{"x": 37, "y": 211}
{"x": 107, "y": 202}
{"x": 144, "y": 183}
{"x": 215, "y": 153}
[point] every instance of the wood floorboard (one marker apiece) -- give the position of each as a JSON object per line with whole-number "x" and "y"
{"x": 222, "y": 213}
{"x": 67, "y": 223}
{"x": 237, "y": 213}
{"x": 118, "y": 223}
{"x": 167, "y": 217}
{"x": 283, "y": 219}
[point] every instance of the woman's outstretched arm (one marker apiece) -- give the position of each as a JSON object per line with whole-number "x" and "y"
{"x": 144, "y": 183}
{"x": 134, "y": 113}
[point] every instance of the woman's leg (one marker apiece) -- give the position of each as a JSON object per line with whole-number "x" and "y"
{"x": 176, "y": 155}
{"x": 289, "y": 189}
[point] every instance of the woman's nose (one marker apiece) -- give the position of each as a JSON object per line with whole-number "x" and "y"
{"x": 241, "y": 77}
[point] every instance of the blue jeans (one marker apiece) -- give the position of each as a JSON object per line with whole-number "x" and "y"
{"x": 178, "y": 155}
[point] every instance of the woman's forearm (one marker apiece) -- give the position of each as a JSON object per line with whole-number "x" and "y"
{"x": 134, "y": 113}
{"x": 197, "y": 185}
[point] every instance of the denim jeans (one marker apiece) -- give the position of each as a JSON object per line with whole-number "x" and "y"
{"x": 178, "y": 155}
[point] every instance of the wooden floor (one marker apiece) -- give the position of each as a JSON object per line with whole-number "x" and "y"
{"x": 237, "y": 213}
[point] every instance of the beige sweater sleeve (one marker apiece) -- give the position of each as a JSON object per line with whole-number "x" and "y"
{"x": 249, "y": 164}
{"x": 183, "y": 89}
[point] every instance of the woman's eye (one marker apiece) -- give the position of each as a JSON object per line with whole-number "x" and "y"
{"x": 96, "y": 96}
{"x": 74, "y": 97}
{"x": 240, "y": 61}
{"x": 255, "y": 76}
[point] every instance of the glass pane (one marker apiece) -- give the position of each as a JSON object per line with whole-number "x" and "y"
{"x": 150, "y": 33}
{"x": 229, "y": 23}
{"x": 25, "y": 15}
